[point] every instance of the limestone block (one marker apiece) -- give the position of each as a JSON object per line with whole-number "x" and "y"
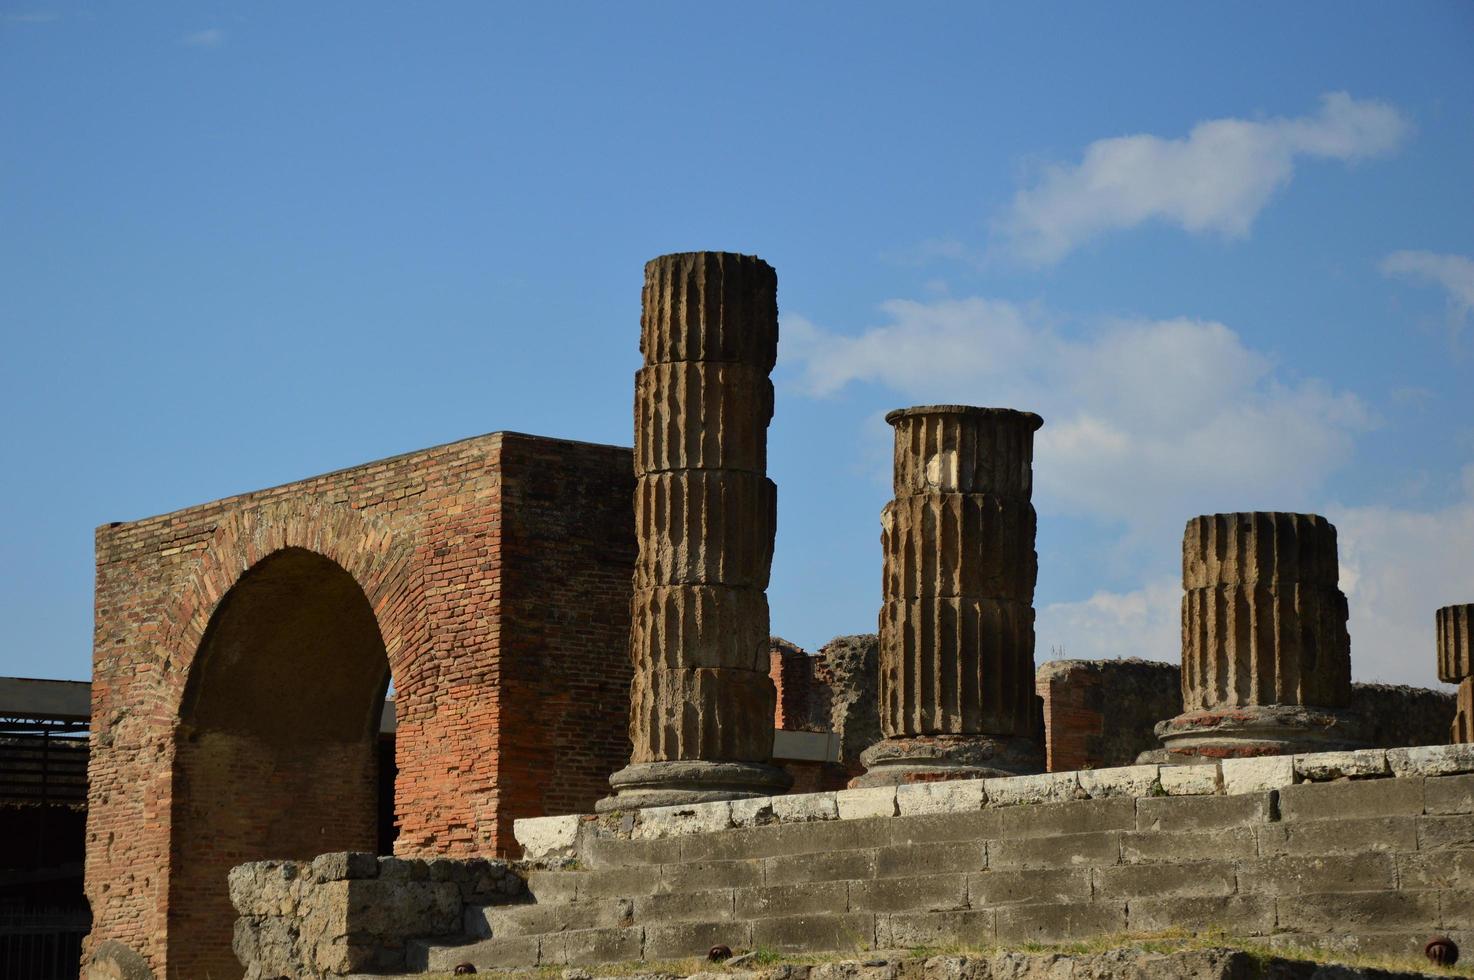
{"x": 1455, "y": 659}
{"x": 1259, "y": 548}
{"x": 962, "y": 449}
{"x": 710, "y": 306}
{"x": 1257, "y": 775}
{"x": 687, "y": 626}
{"x": 1431, "y": 760}
{"x": 1326, "y": 766}
{"x": 805, "y": 807}
{"x": 547, "y": 838}
{"x": 1265, "y": 644}
{"x": 1200, "y": 780}
{"x": 1044, "y": 787}
{"x": 656, "y": 822}
{"x": 691, "y": 415}
{"x": 956, "y": 796}
{"x": 754, "y": 812}
{"x": 957, "y": 666}
{"x": 857, "y": 804}
{"x": 1119, "y": 781}
{"x": 957, "y": 544}
{"x": 705, "y": 527}
{"x": 705, "y": 713}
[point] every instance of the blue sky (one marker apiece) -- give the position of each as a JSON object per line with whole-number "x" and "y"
{"x": 1227, "y": 251}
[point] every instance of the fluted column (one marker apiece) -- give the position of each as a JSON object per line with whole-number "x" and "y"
{"x": 957, "y": 624}
{"x": 1266, "y": 658}
{"x": 1456, "y": 665}
{"x": 701, "y": 705}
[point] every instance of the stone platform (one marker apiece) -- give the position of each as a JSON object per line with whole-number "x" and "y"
{"x": 1361, "y": 852}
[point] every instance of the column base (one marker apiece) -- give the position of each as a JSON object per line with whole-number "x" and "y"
{"x": 1255, "y": 730}
{"x": 937, "y": 758}
{"x": 684, "y": 782}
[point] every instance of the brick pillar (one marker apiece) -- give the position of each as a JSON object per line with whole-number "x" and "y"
{"x": 1456, "y": 664}
{"x": 701, "y": 712}
{"x": 1266, "y": 659}
{"x": 957, "y": 625}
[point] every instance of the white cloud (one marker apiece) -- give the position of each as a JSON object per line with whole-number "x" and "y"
{"x": 1145, "y": 623}
{"x": 1455, "y": 273}
{"x": 1397, "y": 567}
{"x": 1147, "y": 423}
{"x": 210, "y": 37}
{"x": 1217, "y": 179}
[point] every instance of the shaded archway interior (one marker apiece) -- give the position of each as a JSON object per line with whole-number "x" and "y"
{"x": 277, "y": 747}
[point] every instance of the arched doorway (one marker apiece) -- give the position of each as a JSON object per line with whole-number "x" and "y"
{"x": 277, "y": 749}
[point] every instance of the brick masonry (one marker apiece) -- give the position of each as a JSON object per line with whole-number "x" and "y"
{"x": 489, "y": 578}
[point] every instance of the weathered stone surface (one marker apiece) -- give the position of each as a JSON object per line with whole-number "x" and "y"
{"x": 1325, "y": 766}
{"x": 693, "y": 415}
{"x": 1455, "y": 642}
{"x": 1461, "y": 729}
{"x": 684, "y": 626}
{"x": 704, "y": 519}
{"x": 1431, "y": 760}
{"x": 111, "y": 960}
{"x": 876, "y": 801}
{"x": 963, "y": 449}
{"x": 941, "y": 797}
{"x": 702, "y": 714}
{"x": 1120, "y": 781}
{"x": 1044, "y": 787}
{"x": 852, "y": 664}
{"x": 1257, "y": 775}
{"x": 1192, "y": 780}
{"x": 959, "y": 545}
{"x": 656, "y": 822}
{"x": 546, "y": 838}
{"x": 1259, "y": 548}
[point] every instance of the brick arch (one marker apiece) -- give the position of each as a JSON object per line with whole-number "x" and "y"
{"x": 276, "y": 769}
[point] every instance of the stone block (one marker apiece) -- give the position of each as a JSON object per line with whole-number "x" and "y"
{"x": 1435, "y": 869}
{"x": 1432, "y": 760}
{"x": 1448, "y": 794}
{"x": 754, "y": 812}
{"x": 1079, "y": 817}
{"x": 715, "y": 905}
{"x": 500, "y": 922}
{"x": 547, "y": 838}
{"x": 877, "y": 801}
{"x": 344, "y": 865}
{"x": 1285, "y": 875}
{"x": 945, "y": 797}
{"x": 513, "y": 952}
{"x": 1044, "y": 787}
{"x": 1199, "y": 879}
{"x": 785, "y": 839}
{"x": 554, "y": 886}
{"x": 581, "y": 947}
{"x": 815, "y": 933}
{"x": 805, "y": 807}
{"x": 1040, "y": 887}
{"x": 704, "y": 875}
{"x": 619, "y": 883}
{"x": 1359, "y": 912}
{"x": 1240, "y": 915}
{"x": 1223, "y": 845}
{"x": 909, "y": 930}
{"x": 1057, "y": 923}
{"x": 656, "y": 822}
{"x": 1257, "y": 775}
{"x": 834, "y": 866}
{"x": 1352, "y": 800}
{"x": 1200, "y": 780}
{"x": 1456, "y": 907}
{"x": 679, "y": 940}
{"x": 1130, "y": 781}
{"x": 1320, "y": 837}
{"x": 797, "y": 899}
{"x": 1203, "y": 813}
{"x": 1440, "y": 832}
{"x": 1357, "y": 763}
{"x": 1066, "y": 851}
{"x": 921, "y": 893}
{"x": 936, "y": 827}
{"x": 602, "y": 851}
{"x": 946, "y": 857}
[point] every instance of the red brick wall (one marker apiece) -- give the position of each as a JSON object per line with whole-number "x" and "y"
{"x": 803, "y": 688}
{"x": 498, "y": 572}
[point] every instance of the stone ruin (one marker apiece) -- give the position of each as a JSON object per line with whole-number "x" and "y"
{"x": 243, "y": 648}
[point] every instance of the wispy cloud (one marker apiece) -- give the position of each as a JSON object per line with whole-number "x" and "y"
{"x": 1147, "y": 422}
{"x": 210, "y": 37}
{"x": 1216, "y": 179}
{"x": 1455, "y": 273}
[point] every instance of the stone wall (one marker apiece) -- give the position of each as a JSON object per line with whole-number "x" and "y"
{"x": 242, "y": 649}
{"x": 1101, "y": 713}
{"x": 349, "y": 913}
{"x": 1368, "y": 852}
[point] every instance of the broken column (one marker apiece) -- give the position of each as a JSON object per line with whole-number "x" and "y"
{"x": 1456, "y": 665}
{"x": 1266, "y": 659}
{"x": 957, "y": 625}
{"x": 701, "y": 705}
